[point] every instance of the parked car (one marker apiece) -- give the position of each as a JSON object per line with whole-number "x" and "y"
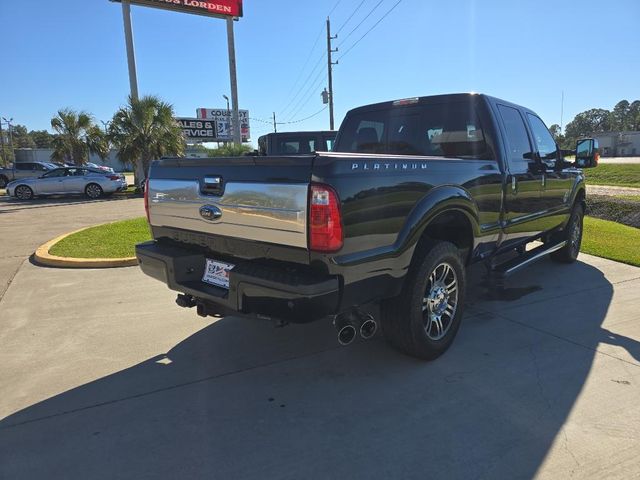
{"x": 414, "y": 191}
{"x": 21, "y": 170}
{"x": 69, "y": 180}
{"x": 99, "y": 167}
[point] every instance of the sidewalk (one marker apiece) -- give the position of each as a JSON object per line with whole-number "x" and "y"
{"x": 612, "y": 190}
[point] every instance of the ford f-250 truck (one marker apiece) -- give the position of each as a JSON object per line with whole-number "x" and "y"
{"x": 414, "y": 192}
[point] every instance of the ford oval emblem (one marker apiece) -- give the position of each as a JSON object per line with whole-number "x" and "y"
{"x": 210, "y": 212}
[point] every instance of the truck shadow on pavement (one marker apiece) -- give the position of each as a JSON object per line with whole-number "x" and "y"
{"x": 242, "y": 399}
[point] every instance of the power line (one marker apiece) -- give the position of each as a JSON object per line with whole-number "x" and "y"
{"x": 334, "y": 7}
{"x": 312, "y": 86}
{"x": 304, "y": 84}
{"x": 361, "y": 22}
{"x": 309, "y": 55}
{"x": 350, "y": 16}
{"x": 305, "y": 118}
{"x": 368, "y": 31}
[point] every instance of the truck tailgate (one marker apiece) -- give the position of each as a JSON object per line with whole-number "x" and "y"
{"x": 251, "y": 198}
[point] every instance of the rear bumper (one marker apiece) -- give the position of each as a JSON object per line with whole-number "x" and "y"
{"x": 257, "y": 289}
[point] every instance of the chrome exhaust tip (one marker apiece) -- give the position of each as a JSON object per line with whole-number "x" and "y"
{"x": 368, "y": 328}
{"x": 346, "y": 335}
{"x": 346, "y": 329}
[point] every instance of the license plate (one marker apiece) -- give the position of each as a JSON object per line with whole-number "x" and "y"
{"x": 217, "y": 273}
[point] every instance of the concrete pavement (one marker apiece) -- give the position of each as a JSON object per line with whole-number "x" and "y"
{"x": 104, "y": 377}
{"x": 24, "y": 226}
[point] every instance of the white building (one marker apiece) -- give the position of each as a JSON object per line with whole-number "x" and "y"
{"x": 618, "y": 144}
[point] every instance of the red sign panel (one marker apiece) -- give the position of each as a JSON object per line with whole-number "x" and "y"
{"x": 212, "y": 8}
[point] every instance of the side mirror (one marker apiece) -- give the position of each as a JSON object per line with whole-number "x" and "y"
{"x": 587, "y": 154}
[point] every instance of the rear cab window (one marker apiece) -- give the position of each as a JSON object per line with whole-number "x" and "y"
{"x": 450, "y": 129}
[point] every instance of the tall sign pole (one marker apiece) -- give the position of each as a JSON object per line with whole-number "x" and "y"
{"x": 330, "y": 72}
{"x": 131, "y": 54}
{"x": 235, "y": 123}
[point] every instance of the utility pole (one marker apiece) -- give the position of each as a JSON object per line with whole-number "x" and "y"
{"x": 275, "y": 128}
{"x": 561, "y": 111}
{"x": 8, "y": 122}
{"x": 330, "y": 65}
{"x": 4, "y": 162}
{"x": 131, "y": 54}
{"x": 237, "y": 137}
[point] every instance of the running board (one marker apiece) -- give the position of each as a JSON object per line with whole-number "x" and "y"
{"x": 510, "y": 267}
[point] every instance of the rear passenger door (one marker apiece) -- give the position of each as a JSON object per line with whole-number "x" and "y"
{"x": 523, "y": 197}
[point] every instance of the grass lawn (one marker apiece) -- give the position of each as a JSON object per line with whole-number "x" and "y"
{"x": 112, "y": 240}
{"x": 611, "y": 240}
{"x": 614, "y": 174}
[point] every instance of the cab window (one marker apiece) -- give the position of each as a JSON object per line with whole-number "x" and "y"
{"x": 518, "y": 145}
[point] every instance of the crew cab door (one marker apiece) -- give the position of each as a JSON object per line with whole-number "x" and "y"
{"x": 556, "y": 188}
{"x": 524, "y": 209}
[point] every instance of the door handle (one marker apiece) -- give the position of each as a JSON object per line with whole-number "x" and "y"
{"x": 514, "y": 185}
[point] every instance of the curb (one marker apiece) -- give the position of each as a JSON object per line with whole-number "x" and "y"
{"x": 43, "y": 257}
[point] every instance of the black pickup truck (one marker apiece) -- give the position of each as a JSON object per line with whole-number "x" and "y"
{"x": 413, "y": 192}
{"x": 295, "y": 143}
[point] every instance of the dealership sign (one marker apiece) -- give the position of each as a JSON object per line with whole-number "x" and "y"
{"x": 222, "y": 118}
{"x": 210, "y": 8}
{"x": 197, "y": 129}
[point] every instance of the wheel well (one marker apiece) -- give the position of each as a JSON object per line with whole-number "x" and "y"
{"x": 454, "y": 227}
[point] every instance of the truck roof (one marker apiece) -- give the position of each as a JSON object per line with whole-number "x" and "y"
{"x": 432, "y": 99}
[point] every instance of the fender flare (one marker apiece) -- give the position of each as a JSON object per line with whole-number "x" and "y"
{"x": 439, "y": 200}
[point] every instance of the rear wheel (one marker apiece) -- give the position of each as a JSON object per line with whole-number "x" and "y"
{"x": 3, "y": 181}
{"x": 572, "y": 234}
{"x": 23, "y": 192}
{"x": 93, "y": 190}
{"x": 424, "y": 319}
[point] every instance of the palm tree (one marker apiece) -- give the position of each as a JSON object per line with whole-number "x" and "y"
{"x": 145, "y": 130}
{"x": 77, "y": 136}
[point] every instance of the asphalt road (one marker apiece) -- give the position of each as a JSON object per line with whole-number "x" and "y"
{"x": 103, "y": 376}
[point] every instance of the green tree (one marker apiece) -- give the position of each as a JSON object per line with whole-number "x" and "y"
{"x": 145, "y": 130}
{"x": 41, "y": 138}
{"x": 634, "y": 116}
{"x": 77, "y": 136}
{"x": 620, "y": 116}
{"x": 21, "y": 137}
{"x": 586, "y": 123}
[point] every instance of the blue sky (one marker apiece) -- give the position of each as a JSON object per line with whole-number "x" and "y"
{"x": 70, "y": 53}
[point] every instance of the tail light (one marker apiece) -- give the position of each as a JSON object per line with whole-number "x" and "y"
{"x": 325, "y": 220}
{"x": 146, "y": 199}
{"x": 113, "y": 177}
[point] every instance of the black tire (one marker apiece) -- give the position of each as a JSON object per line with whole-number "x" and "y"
{"x": 3, "y": 181}
{"x": 572, "y": 233}
{"x": 23, "y": 192}
{"x": 93, "y": 191}
{"x": 409, "y": 320}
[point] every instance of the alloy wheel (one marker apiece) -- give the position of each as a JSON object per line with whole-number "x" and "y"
{"x": 440, "y": 301}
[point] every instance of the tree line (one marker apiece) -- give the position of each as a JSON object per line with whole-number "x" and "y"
{"x": 141, "y": 131}
{"x": 625, "y": 116}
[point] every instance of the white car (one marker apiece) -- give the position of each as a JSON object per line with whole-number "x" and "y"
{"x": 69, "y": 180}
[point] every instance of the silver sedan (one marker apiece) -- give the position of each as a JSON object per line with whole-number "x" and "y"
{"x": 71, "y": 180}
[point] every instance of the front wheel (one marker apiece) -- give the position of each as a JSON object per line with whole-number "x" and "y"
{"x": 572, "y": 234}
{"x": 424, "y": 319}
{"x": 93, "y": 191}
{"x": 23, "y": 192}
